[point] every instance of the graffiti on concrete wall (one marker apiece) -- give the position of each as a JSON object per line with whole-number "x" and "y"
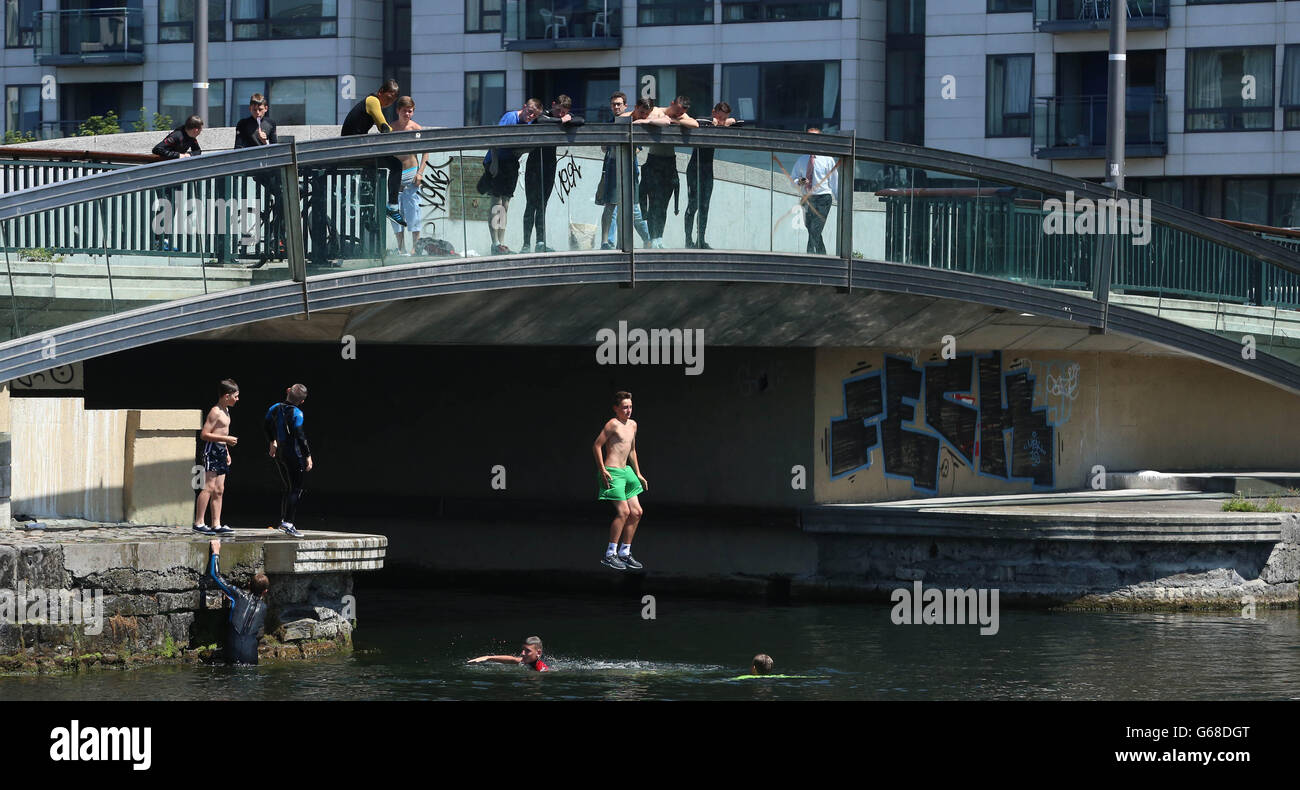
{"x": 979, "y": 414}
{"x": 1056, "y": 386}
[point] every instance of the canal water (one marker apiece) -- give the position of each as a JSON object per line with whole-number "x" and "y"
{"x": 412, "y": 645}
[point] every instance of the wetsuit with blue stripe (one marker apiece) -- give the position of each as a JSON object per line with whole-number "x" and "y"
{"x": 283, "y": 424}
{"x": 247, "y": 618}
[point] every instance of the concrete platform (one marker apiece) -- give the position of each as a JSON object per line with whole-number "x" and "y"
{"x": 1134, "y": 549}
{"x": 87, "y": 546}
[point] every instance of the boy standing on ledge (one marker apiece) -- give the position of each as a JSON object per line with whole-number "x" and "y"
{"x": 215, "y": 442}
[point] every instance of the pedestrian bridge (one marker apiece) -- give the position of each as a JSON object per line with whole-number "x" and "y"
{"x": 933, "y": 242}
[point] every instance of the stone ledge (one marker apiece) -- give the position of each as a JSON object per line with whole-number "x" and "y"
{"x": 1006, "y": 524}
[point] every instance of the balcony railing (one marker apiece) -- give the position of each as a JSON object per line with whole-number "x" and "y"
{"x": 94, "y": 36}
{"x": 1074, "y": 127}
{"x": 541, "y": 25}
{"x": 1054, "y": 16}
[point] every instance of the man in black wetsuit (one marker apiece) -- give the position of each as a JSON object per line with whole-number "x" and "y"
{"x": 247, "y": 611}
{"x": 539, "y": 173}
{"x": 289, "y": 448}
{"x": 367, "y": 114}
{"x": 699, "y": 181}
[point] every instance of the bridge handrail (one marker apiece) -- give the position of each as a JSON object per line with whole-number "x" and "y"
{"x": 160, "y": 175}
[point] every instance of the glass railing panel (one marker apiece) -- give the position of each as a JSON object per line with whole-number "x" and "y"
{"x": 737, "y": 202}
{"x": 805, "y": 202}
{"x": 145, "y": 247}
{"x": 877, "y": 213}
{"x": 343, "y": 213}
{"x": 564, "y": 199}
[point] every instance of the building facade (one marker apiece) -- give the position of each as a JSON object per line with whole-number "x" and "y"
{"x": 67, "y": 60}
{"x": 1212, "y": 110}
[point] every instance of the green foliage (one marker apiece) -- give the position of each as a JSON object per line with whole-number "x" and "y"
{"x": 1239, "y": 504}
{"x": 168, "y": 649}
{"x": 39, "y": 255}
{"x": 161, "y": 123}
{"x": 13, "y": 136}
{"x": 100, "y": 124}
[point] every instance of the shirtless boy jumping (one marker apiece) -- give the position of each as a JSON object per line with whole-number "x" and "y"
{"x": 412, "y": 174}
{"x": 614, "y": 448}
{"x": 214, "y": 443}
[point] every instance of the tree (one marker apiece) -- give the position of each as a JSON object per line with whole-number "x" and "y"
{"x": 13, "y": 136}
{"x": 100, "y": 124}
{"x": 161, "y": 123}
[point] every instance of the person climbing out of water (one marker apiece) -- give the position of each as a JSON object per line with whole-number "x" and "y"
{"x": 530, "y": 655}
{"x": 247, "y": 611}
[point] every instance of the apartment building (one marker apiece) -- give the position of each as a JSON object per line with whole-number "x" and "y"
{"x": 1212, "y": 109}
{"x": 67, "y": 60}
{"x": 780, "y": 63}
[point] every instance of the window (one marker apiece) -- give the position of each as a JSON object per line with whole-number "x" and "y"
{"x": 674, "y": 12}
{"x": 1005, "y": 6}
{"x": 1263, "y": 201}
{"x": 784, "y": 95}
{"x": 20, "y": 22}
{"x": 778, "y": 10}
{"x": 905, "y": 18}
{"x": 666, "y": 83}
{"x": 177, "y": 100}
{"x": 905, "y": 96}
{"x": 1291, "y": 88}
{"x": 1009, "y": 81}
{"x": 483, "y": 16}
{"x": 176, "y": 20}
{"x": 1229, "y": 89}
{"x": 295, "y": 101}
{"x": 485, "y": 97}
{"x": 262, "y": 19}
{"x": 22, "y": 108}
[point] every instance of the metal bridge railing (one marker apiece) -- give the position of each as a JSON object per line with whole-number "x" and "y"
{"x": 666, "y": 203}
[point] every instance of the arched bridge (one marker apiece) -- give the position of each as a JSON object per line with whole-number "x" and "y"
{"x": 919, "y": 243}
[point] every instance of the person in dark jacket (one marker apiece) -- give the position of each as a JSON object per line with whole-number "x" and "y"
{"x": 257, "y": 128}
{"x": 539, "y": 173}
{"x": 253, "y": 130}
{"x": 247, "y": 611}
{"x": 183, "y": 141}
{"x": 289, "y": 448}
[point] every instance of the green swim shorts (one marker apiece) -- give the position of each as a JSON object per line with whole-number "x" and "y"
{"x": 623, "y": 484}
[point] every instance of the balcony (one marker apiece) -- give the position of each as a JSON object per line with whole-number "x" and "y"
{"x": 1065, "y": 16}
{"x": 565, "y": 25}
{"x": 104, "y": 36}
{"x": 1074, "y": 127}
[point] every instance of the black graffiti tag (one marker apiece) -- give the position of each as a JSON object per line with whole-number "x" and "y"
{"x": 568, "y": 176}
{"x": 433, "y": 189}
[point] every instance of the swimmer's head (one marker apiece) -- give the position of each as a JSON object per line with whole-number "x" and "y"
{"x": 532, "y": 650}
{"x": 762, "y": 665}
{"x": 622, "y": 404}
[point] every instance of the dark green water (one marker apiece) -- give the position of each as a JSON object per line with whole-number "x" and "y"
{"x": 413, "y": 644}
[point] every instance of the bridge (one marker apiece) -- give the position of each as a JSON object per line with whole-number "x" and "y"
{"x": 921, "y": 244}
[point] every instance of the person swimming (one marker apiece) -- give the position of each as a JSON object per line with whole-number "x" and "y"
{"x": 530, "y": 655}
{"x": 761, "y": 667}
